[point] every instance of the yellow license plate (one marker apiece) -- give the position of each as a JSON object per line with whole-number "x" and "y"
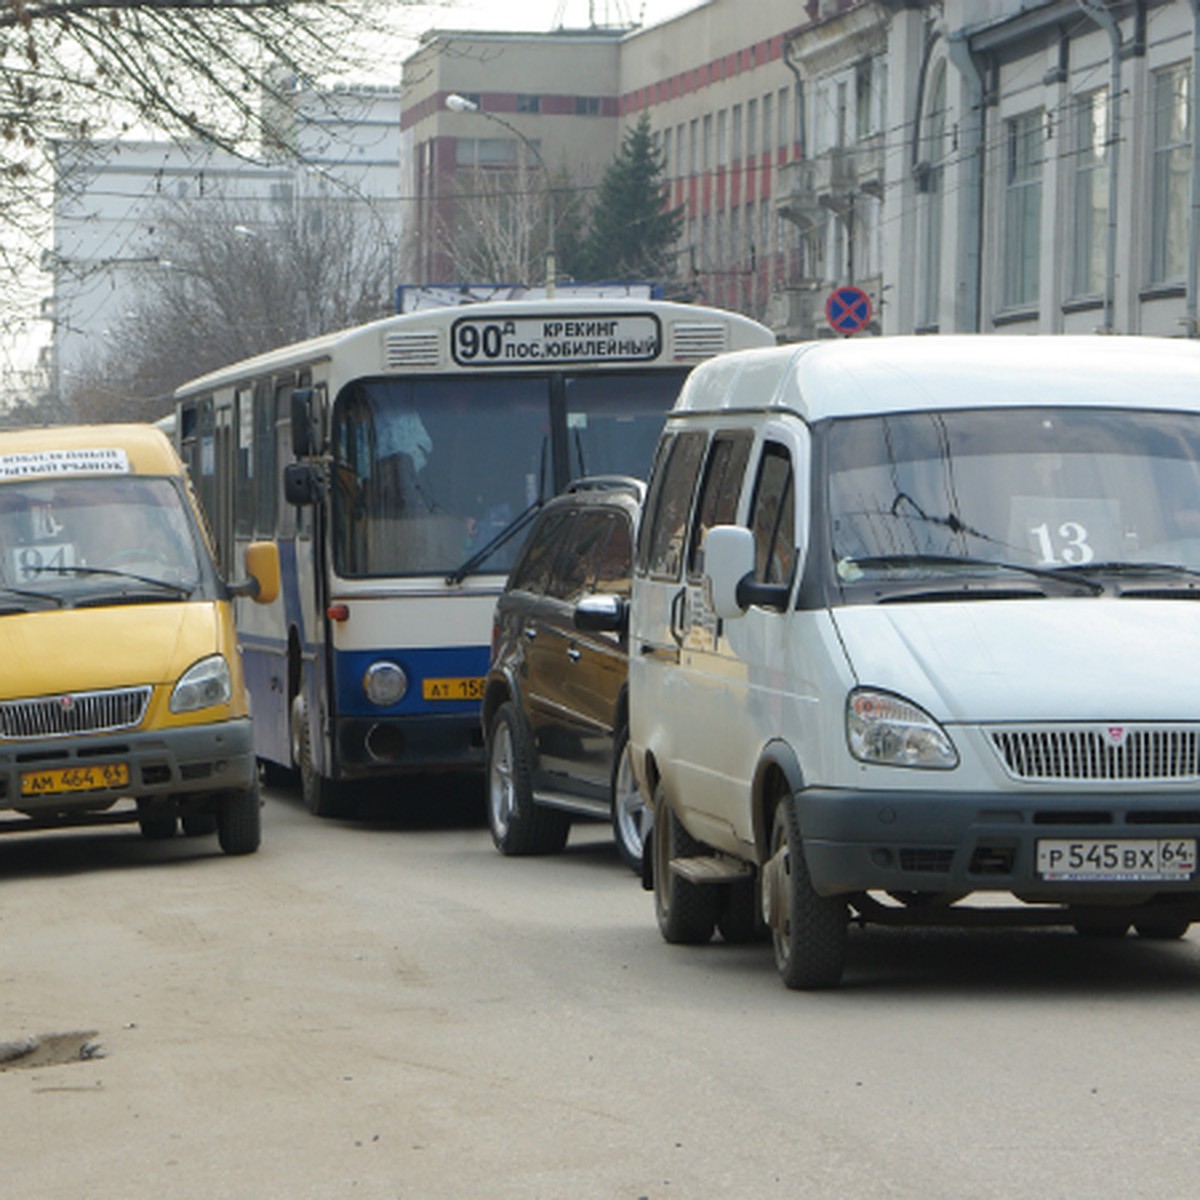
{"x": 452, "y": 689}
{"x": 94, "y": 778}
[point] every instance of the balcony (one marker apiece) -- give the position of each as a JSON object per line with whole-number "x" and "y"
{"x": 828, "y": 180}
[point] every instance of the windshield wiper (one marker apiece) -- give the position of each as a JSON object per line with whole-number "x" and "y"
{"x": 24, "y": 594}
{"x": 486, "y": 551}
{"x": 1132, "y": 567}
{"x": 1058, "y": 574}
{"x": 180, "y": 589}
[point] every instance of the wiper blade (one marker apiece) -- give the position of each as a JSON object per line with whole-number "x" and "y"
{"x": 180, "y": 589}
{"x": 25, "y": 594}
{"x": 485, "y": 552}
{"x": 1133, "y": 567}
{"x": 1058, "y": 574}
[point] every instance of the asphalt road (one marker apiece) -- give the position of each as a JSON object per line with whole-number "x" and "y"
{"x": 389, "y": 1008}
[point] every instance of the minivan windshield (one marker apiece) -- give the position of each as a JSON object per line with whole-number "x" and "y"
{"x": 94, "y": 540}
{"x": 1039, "y": 491}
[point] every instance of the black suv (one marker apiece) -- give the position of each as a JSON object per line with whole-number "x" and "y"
{"x": 555, "y": 712}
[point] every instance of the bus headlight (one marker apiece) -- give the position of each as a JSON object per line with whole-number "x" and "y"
{"x": 203, "y": 685}
{"x": 385, "y": 683}
{"x": 893, "y": 732}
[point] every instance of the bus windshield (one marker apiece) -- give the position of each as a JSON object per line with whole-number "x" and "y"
{"x": 429, "y": 471}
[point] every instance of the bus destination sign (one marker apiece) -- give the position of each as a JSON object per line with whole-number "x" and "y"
{"x": 563, "y": 338}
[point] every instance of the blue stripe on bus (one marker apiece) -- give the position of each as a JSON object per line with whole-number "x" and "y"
{"x": 449, "y": 662}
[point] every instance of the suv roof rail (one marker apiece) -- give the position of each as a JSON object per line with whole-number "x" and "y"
{"x": 606, "y": 483}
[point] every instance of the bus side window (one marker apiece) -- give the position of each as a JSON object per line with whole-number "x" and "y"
{"x": 773, "y": 517}
{"x": 662, "y": 550}
{"x": 717, "y": 505}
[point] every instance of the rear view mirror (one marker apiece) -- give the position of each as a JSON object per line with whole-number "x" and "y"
{"x": 305, "y": 433}
{"x": 602, "y": 614}
{"x": 728, "y": 559}
{"x": 302, "y": 483}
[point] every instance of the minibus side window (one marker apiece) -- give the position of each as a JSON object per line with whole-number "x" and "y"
{"x": 773, "y": 516}
{"x": 719, "y": 492}
{"x": 664, "y": 546}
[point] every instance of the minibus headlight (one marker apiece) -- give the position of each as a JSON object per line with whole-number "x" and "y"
{"x": 893, "y": 732}
{"x": 385, "y": 683}
{"x": 202, "y": 685}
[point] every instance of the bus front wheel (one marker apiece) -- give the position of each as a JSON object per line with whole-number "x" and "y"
{"x": 322, "y": 796}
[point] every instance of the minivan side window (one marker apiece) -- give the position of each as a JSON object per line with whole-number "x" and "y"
{"x": 773, "y": 516}
{"x": 612, "y": 571}
{"x": 662, "y": 549}
{"x": 719, "y": 492}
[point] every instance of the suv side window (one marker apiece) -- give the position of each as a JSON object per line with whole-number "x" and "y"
{"x": 533, "y": 571}
{"x": 773, "y": 516}
{"x": 719, "y": 491}
{"x": 662, "y": 549}
{"x": 616, "y": 559}
{"x": 575, "y": 566}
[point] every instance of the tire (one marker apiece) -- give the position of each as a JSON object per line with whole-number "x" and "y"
{"x": 239, "y": 822}
{"x": 686, "y": 911}
{"x": 628, "y": 808}
{"x": 518, "y": 825}
{"x": 810, "y": 936}
{"x": 199, "y": 824}
{"x": 322, "y": 797}
{"x": 1163, "y": 929}
{"x": 155, "y": 826}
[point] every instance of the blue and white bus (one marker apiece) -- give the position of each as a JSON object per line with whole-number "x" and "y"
{"x": 396, "y": 465}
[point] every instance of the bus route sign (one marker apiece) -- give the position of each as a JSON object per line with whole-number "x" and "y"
{"x": 584, "y": 338}
{"x": 848, "y": 310}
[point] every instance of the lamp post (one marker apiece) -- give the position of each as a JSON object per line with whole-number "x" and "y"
{"x": 460, "y": 104}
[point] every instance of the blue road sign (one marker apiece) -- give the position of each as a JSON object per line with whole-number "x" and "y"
{"x": 848, "y": 309}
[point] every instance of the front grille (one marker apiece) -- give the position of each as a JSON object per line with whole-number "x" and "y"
{"x": 1101, "y": 753}
{"x": 412, "y": 350}
{"x": 62, "y": 716}
{"x": 695, "y": 341}
{"x": 928, "y": 860}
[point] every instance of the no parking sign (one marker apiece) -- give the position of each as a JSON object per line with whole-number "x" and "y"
{"x": 848, "y": 310}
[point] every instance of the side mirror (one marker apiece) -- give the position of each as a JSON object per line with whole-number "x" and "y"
{"x": 262, "y": 568}
{"x": 601, "y": 613}
{"x": 728, "y": 559}
{"x": 305, "y": 439}
{"x": 302, "y": 483}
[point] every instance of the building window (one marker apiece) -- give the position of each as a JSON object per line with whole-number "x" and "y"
{"x": 1022, "y": 208}
{"x": 767, "y": 126}
{"x": 751, "y": 126}
{"x": 587, "y": 106}
{"x": 706, "y": 148}
{"x": 722, "y": 138}
{"x": 529, "y": 104}
{"x": 735, "y": 132}
{"x": 1172, "y": 153}
{"x": 1090, "y": 225}
{"x": 864, "y": 100}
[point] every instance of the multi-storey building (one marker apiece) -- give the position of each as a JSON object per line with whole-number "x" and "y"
{"x": 330, "y": 146}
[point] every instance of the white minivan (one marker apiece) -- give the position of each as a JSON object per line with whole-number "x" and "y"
{"x": 915, "y": 618}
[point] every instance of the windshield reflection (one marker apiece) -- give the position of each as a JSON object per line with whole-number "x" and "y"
{"x": 69, "y": 540}
{"x": 926, "y": 495}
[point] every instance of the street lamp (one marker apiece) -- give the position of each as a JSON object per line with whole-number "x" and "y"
{"x": 460, "y": 104}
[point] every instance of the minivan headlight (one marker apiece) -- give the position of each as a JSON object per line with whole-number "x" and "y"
{"x": 202, "y": 685}
{"x": 893, "y": 732}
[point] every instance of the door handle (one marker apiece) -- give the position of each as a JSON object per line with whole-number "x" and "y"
{"x": 574, "y": 653}
{"x": 530, "y": 633}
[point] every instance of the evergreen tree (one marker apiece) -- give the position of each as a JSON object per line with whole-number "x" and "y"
{"x": 632, "y": 234}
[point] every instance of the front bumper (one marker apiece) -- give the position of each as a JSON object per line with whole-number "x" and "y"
{"x": 188, "y": 761}
{"x": 960, "y": 842}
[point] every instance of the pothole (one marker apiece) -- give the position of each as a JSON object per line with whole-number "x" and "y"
{"x": 50, "y": 1050}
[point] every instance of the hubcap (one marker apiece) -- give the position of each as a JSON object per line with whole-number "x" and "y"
{"x": 501, "y": 789}
{"x": 631, "y": 812}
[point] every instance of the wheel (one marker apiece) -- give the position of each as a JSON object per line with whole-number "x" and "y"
{"x": 686, "y": 911}
{"x": 154, "y": 825}
{"x": 199, "y": 824}
{"x": 518, "y": 825}
{"x": 628, "y": 809}
{"x": 239, "y": 822}
{"x": 808, "y": 931}
{"x": 1163, "y": 929}
{"x": 322, "y": 796}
